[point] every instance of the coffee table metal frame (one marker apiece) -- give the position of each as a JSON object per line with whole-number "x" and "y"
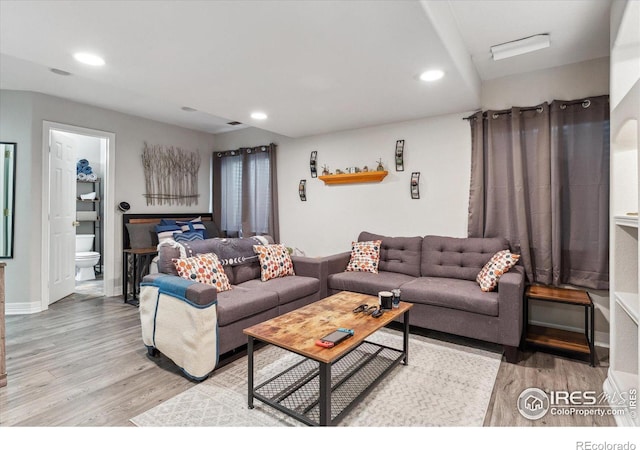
{"x": 361, "y": 370}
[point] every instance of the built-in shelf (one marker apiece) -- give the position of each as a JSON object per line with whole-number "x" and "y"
{"x": 627, "y": 221}
{"x": 630, "y": 302}
{"x": 349, "y": 178}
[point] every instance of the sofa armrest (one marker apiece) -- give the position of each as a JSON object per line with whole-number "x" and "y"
{"x": 338, "y": 262}
{"x": 312, "y": 267}
{"x": 179, "y": 318}
{"x": 510, "y": 306}
{"x": 197, "y": 293}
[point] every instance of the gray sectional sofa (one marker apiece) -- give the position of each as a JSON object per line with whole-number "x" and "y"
{"x": 437, "y": 274}
{"x": 214, "y": 321}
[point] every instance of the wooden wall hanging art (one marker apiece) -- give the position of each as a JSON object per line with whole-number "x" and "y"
{"x": 170, "y": 175}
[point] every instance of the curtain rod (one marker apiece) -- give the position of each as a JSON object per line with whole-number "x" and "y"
{"x": 585, "y": 104}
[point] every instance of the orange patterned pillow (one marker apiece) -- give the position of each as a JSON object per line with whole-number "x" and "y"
{"x": 204, "y": 268}
{"x": 365, "y": 256}
{"x": 499, "y": 264}
{"x": 275, "y": 261}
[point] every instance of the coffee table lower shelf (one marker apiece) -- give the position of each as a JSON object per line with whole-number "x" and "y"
{"x": 297, "y": 391}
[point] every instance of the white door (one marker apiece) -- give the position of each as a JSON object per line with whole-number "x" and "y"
{"x": 62, "y": 216}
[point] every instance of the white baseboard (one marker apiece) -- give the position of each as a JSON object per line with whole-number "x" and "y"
{"x": 13, "y": 309}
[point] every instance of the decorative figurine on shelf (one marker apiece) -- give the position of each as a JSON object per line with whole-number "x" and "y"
{"x": 338, "y": 171}
{"x": 365, "y": 169}
{"x": 325, "y": 170}
{"x": 380, "y": 167}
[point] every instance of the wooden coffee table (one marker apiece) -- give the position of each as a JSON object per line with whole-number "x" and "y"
{"x": 324, "y": 386}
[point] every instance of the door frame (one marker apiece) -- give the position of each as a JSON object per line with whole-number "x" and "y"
{"x": 109, "y": 260}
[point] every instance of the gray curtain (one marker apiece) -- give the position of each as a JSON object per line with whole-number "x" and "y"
{"x": 540, "y": 178}
{"x": 257, "y": 199}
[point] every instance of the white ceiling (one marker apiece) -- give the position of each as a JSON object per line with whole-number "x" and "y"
{"x": 312, "y": 66}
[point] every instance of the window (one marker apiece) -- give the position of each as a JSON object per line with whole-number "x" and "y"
{"x": 244, "y": 192}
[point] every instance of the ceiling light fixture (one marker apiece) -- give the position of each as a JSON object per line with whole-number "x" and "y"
{"x": 188, "y": 109}
{"x": 520, "y": 46}
{"x": 431, "y": 75}
{"x": 89, "y": 58}
{"x": 258, "y": 115}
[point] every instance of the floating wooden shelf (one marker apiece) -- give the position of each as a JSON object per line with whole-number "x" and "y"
{"x": 360, "y": 177}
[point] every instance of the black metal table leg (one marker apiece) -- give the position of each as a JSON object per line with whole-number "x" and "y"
{"x": 405, "y": 342}
{"x": 325, "y": 394}
{"x": 592, "y": 342}
{"x": 250, "y": 372}
{"x": 125, "y": 276}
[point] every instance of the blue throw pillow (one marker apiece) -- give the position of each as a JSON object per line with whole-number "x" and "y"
{"x": 192, "y": 225}
{"x": 166, "y": 232}
{"x": 188, "y": 236}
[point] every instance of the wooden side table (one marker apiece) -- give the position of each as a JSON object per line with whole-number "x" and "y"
{"x": 141, "y": 260}
{"x": 557, "y": 339}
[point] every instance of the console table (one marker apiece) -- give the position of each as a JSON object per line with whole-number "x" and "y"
{"x": 554, "y": 338}
{"x": 141, "y": 260}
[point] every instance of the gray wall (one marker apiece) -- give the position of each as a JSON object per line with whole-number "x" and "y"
{"x": 21, "y": 120}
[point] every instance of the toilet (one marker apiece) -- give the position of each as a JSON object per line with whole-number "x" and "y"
{"x": 85, "y": 258}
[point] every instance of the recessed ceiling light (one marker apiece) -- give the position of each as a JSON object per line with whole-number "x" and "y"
{"x": 89, "y": 58}
{"x": 188, "y": 109}
{"x": 258, "y": 115}
{"x": 431, "y": 75}
{"x": 60, "y": 71}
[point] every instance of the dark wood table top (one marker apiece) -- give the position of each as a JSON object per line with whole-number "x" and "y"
{"x": 573, "y": 296}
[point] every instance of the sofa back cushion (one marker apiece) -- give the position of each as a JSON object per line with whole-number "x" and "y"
{"x": 238, "y": 259}
{"x": 397, "y": 254}
{"x": 460, "y": 258}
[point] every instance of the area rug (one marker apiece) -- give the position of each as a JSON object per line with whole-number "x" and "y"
{"x": 445, "y": 384}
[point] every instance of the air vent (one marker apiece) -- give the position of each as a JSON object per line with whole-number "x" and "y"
{"x": 60, "y": 72}
{"x": 234, "y": 123}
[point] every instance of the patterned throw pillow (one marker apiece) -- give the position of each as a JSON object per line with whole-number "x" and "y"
{"x": 275, "y": 261}
{"x": 193, "y": 225}
{"x": 365, "y": 256}
{"x": 499, "y": 264}
{"x": 188, "y": 236}
{"x": 204, "y": 268}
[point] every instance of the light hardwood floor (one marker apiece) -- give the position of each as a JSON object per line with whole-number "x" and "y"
{"x": 82, "y": 363}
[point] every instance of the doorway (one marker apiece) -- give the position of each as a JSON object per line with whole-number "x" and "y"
{"x": 77, "y": 184}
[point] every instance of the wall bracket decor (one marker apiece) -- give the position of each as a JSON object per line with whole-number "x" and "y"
{"x": 399, "y": 156}
{"x": 302, "y": 190}
{"x": 313, "y": 164}
{"x": 170, "y": 175}
{"x": 415, "y": 185}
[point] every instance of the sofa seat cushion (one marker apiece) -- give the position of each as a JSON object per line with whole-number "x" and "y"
{"x": 240, "y": 303}
{"x": 368, "y": 283}
{"x": 453, "y": 293}
{"x": 288, "y": 288}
